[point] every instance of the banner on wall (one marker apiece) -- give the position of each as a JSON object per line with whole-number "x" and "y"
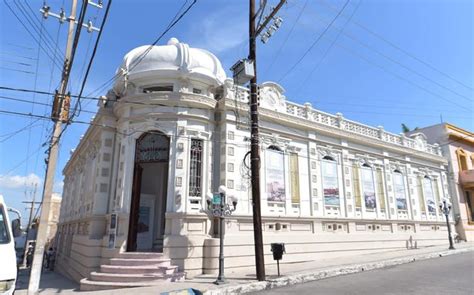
{"x": 368, "y": 188}
{"x": 399, "y": 188}
{"x": 330, "y": 185}
{"x": 429, "y": 195}
{"x": 275, "y": 176}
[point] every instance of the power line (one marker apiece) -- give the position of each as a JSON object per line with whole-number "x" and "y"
{"x": 35, "y": 22}
{"x": 315, "y": 42}
{"x": 37, "y": 91}
{"x": 328, "y": 49}
{"x": 31, "y": 34}
{"x": 277, "y": 54}
{"x": 393, "y": 60}
{"x": 401, "y": 77}
{"x": 94, "y": 51}
{"x": 365, "y": 28}
{"x": 17, "y": 70}
{"x": 137, "y": 61}
{"x": 34, "y": 102}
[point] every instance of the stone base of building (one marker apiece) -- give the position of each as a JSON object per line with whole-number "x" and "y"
{"x": 195, "y": 252}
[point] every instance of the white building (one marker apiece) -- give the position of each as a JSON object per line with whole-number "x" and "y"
{"x": 458, "y": 146}
{"x": 174, "y": 128}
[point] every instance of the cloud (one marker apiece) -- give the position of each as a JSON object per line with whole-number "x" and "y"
{"x": 222, "y": 30}
{"x": 17, "y": 181}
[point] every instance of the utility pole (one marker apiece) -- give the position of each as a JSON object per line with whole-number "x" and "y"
{"x": 30, "y": 220}
{"x": 60, "y": 114}
{"x": 254, "y": 137}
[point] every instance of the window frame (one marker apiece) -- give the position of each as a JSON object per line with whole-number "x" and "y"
{"x": 195, "y": 183}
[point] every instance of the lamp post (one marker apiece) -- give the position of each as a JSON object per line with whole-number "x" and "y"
{"x": 445, "y": 208}
{"x": 218, "y": 207}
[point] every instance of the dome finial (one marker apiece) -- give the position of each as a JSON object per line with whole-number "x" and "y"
{"x": 173, "y": 41}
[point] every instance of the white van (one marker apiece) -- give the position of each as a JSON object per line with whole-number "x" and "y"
{"x": 8, "y": 270}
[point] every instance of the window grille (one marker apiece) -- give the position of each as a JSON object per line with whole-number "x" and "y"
{"x": 195, "y": 169}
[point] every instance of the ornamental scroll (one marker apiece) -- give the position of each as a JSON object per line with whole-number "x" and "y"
{"x": 152, "y": 147}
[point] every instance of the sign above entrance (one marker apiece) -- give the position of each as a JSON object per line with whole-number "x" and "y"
{"x": 152, "y": 147}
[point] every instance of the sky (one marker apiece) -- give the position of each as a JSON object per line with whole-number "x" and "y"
{"x": 379, "y": 62}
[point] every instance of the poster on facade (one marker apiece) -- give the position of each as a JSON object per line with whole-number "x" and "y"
{"x": 369, "y": 189}
{"x": 330, "y": 184}
{"x": 429, "y": 195}
{"x": 399, "y": 188}
{"x": 275, "y": 176}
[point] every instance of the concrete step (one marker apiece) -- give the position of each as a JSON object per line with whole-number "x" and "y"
{"x": 140, "y": 261}
{"x": 119, "y": 277}
{"x": 140, "y": 269}
{"x": 141, "y": 255}
{"x": 90, "y": 285}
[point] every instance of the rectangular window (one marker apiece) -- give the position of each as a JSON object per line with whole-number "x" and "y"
{"x": 330, "y": 183}
{"x": 195, "y": 168}
{"x": 197, "y": 91}
{"x": 275, "y": 175}
{"x": 294, "y": 178}
{"x": 399, "y": 186}
{"x": 429, "y": 195}
{"x": 356, "y": 186}
{"x": 159, "y": 88}
{"x": 369, "y": 189}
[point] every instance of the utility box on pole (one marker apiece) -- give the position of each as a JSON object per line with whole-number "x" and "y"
{"x": 243, "y": 71}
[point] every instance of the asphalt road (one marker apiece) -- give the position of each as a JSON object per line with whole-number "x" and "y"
{"x": 451, "y": 275}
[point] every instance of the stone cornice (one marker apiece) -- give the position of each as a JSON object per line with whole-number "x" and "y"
{"x": 171, "y": 99}
{"x": 303, "y": 123}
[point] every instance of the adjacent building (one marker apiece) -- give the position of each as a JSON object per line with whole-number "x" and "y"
{"x": 174, "y": 128}
{"x": 457, "y": 145}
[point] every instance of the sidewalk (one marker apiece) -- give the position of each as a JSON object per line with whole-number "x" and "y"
{"x": 243, "y": 280}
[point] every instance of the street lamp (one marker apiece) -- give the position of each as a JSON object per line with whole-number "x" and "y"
{"x": 218, "y": 207}
{"x": 445, "y": 208}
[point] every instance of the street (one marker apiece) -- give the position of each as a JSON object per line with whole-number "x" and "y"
{"x": 446, "y": 275}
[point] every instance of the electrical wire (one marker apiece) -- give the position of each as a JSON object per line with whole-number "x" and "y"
{"x": 278, "y": 52}
{"x": 391, "y": 59}
{"x": 137, "y": 61}
{"x": 314, "y": 43}
{"x": 328, "y": 49}
{"x": 46, "y": 51}
{"x": 379, "y": 36}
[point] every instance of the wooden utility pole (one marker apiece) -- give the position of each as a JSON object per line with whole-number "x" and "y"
{"x": 43, "y": 227}
{"x": 254, "y": 151}
{"x": 254, "y": 137}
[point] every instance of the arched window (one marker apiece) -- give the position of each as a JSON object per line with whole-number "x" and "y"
{"x": 275, "y": 174}
{"x": 368, "y": 187}
{"x": 330, "y": 182}
{"x": 399, "y": 188}
{"x": 329, "y": 158}
{"x": 429, "y": 195}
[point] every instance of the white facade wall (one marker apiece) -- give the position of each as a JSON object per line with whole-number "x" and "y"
{"x": 99, "y": 178}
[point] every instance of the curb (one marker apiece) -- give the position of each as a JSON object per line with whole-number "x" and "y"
{"x": 327, "y": 273}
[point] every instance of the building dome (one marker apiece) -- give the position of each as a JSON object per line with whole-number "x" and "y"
{"x": 175, "y": 59}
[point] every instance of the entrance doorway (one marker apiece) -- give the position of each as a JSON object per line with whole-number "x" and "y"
{"x": 148, "y": 202}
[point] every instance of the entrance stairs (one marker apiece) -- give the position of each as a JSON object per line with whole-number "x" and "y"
{"x": 133, "y": 269}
